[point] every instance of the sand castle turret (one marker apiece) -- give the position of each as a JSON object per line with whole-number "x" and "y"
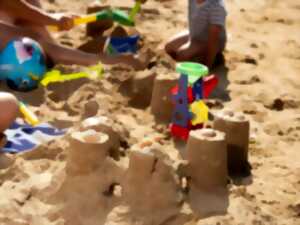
{"x": 207, "y": 171}
{"x": 237, "y": 129}
{"x": 91, "y": 175}
{"x": 88, "y": 149}
{"x": 104, "y": 125}
{"x": 151, "y": 188}
{"x": 161, "y": 104}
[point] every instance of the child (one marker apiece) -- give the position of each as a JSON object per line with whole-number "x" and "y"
{"x": 20, "y": 18}
{"x": 8, "y": 112}
{"x": 206, "y": 38}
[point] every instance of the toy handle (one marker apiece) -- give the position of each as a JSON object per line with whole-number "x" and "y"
{"x": 78, "y": 21}
{"x": 135, "y": 10}
{"x": 29, "y": 116}
{"x": 85, "y": 20}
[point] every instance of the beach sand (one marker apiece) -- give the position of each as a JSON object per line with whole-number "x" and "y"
{"x": 133, "y": 181}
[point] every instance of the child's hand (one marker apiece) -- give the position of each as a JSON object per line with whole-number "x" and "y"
{"x": 65, "y": 22}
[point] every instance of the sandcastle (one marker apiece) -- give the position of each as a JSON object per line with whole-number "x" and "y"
{"x": 237, "y": 128}
{"x": 87, "y": 150}
{"x": 207, "y": 172}
{"x": 210, "y": 156}
{"x": 183, "y": 104}
{"x": 161, "y": 105}
{"x": 156, "y": 182}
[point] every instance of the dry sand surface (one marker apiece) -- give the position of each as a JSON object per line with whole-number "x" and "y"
{"x": 133, "y": 181}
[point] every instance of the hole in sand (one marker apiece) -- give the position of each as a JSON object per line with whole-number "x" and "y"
{"x": 90, "y": 136}
{"x": 208, "y": 133}
{"x": 94, "y": 121}
{"x": 241, "y": 117}
{"x": 228, "y": 113}
{"x": 114, "y": 189}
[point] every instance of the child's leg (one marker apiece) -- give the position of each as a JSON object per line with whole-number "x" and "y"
{"x": 8, "y": 114}
{"x": 176, "y": 42}
{"x": 191, "y": 51}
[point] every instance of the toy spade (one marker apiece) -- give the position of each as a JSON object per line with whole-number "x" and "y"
{"x": 56, "y": 76}
{"x": 116, "y": 15}
{"x": 135, "y": 10}
{"x": 29, "y": 116}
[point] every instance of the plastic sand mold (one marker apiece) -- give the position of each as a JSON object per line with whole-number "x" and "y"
{"x": 121, "y": 45}
{"x": 194, "y": 71}
{"x": 23, "y": 137}
{"x": 200, "y": 112}
{"x": 54, "y": 76}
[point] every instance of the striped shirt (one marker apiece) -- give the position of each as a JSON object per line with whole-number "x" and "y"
{"x": 202, "y": 15}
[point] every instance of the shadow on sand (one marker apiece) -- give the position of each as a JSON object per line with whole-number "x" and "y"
{"x": 221, "y": 91}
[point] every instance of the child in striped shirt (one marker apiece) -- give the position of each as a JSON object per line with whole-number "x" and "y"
{"x": 205, "y": 40}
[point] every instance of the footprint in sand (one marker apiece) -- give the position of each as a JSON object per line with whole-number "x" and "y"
{"x": 254, "y": 79}
{"x": 280, "y": 104}
{"x": 273, "y": 129}
{"x": 250, "y": 60}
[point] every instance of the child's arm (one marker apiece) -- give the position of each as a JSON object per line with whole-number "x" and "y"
{"x": 213, "y": 44}
{"x": 29, "y": 12}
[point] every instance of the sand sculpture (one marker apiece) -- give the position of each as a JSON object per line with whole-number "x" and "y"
{"x": 87, "y": 184}
{"x": 206, "y": 170}
{"x": 237, "y": 130}
{"x": 87, "y": 151}
{"x": 161, "y": 96}
{"x": 155, "y": 179}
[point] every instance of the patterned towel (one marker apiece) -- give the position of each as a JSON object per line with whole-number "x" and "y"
{"x": 23, "y": 137}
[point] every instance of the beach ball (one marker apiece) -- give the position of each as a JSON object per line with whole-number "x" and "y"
{"x": 22, "y": 64}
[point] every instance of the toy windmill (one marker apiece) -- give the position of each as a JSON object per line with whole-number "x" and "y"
{"x": 190, "y": 111}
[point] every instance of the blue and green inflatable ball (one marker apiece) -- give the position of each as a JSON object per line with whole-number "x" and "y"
{"x": 22, "y": 64}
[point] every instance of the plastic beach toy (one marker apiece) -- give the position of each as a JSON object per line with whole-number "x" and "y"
{"x": 22, "y": 64}
{"x": 54, "y": 76}
{"x": 194, "y": 71}
{"x": 190, "y": 111}
{"x": 29, "y": 116}
{"x": 120, "y": 45}
{"x": 135, "y": 10}
{"x": 116, "y": 15}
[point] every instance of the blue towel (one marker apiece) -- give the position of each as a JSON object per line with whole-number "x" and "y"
{"x": 23, "y": 137}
